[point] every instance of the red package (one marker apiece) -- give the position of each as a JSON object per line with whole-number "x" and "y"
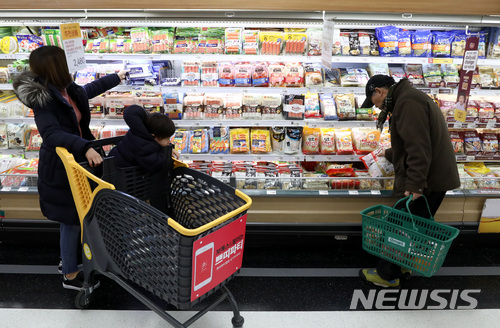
{"x": 260, "y": 75}
{"x": 340, "y": 170}
{"x": 490, "y": 143}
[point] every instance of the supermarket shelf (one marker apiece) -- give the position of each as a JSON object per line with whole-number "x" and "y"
{"x": 17, "y": 151}
{"x": 316, "y": 193}
{"x": 237, "y": 123}
{"x": 26, "y": 190}
{"x": 478, "y": 158}
{"x": 242, "y": 157}
{"x": 332, "y": 158}
{"x": 459, "y": 125}
{"x": 17, "y": 120}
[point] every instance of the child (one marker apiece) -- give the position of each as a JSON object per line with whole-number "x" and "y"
{"x": 144, "y": 143}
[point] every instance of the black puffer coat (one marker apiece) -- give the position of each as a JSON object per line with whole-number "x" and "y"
{"x": 138, "y": 147}
{"x": 56, "y": 120}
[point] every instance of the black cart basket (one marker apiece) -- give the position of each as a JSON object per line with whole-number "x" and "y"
{"x": 177, "y": 234}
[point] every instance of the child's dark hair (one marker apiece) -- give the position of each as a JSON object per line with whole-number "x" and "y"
{"x": 160, "y": 125}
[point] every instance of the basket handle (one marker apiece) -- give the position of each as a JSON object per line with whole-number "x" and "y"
{"x": 408, "y": 200}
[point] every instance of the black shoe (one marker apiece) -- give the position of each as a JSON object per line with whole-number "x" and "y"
{"x": 59, "y": 267}
{"x": 77, "y": 282}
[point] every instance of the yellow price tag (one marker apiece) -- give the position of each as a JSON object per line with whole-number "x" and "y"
{"x": 442, "y": 61}
{"x": 460, "y": 115}
{"x": 70, "y": 31}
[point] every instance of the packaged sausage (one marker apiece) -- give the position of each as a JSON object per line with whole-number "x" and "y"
{"x": 294, "y": 75}
{"x": 209, "y": 74}
{"x": 294, "y": 107}
{"x": 214, "y": 107}
{"x": 251, "y": 106}
{"x": 232, "y": 45}
{"x": 271, "y": 42}
{"x": 260, "y": 141}
{"x": 226, "y": 74}
{"x": 219, "y": 140}
{"x": 251, "y": 42}
{"x": 198, "y": 141}
{"x": 239, "y": 141}
{"x": 271, "y": 107}
{"x": 277, "y": 73}
{"x": 233, "y": 104}
{"x": 190, "y": 74}
{"x": 260, "y": 75}
{"x": 243, "y": 75}
{"x": 295, "y": 42}
{"x": 193, "y": 106}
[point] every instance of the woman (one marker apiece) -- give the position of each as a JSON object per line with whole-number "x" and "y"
{"x": 62, "y": 116}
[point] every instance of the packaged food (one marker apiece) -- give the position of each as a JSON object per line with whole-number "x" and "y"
{"x": 243, "y": 75}
{"x": 270, "y": 42}
{"x": 277, "y": 73}
{"x": 312, "y": 106}
{"x": 387, "y": 37}
{"x": 311, "y": 140}
{"x": 472, "y": 108}
{"x": 374, "y": 48}
{"x": 364, "y": 43}
{"x": 336, "y": 44}
{"x": 378, "y": 166}
{"x": 190, "y": 75}
{"x": 294, "y": 107}
{"x": 233, "y": 104}
{"x": 198, "y": 141}
{"x": 488, "y": 77}
{"x": 481, "y": 47}
{"x": 186, "y": 40}
{"x": 211, "y": 40}
{"x": 172, "y": 105}
{"x": 378, "y": 69}
{"x": 251, "y": 106}
{"x": 346, "y": 106}
{"x": 313, "y": 74}
{"x": 162, "y": 41}
{"x": 472, "y": 143}
{"x": 226, "y": 74}
{"x": 293, "y": 138}
{"x": 327, "y": 141}
{"x": 332, "y": 78}
{"x": 271, "y": 106}
{"x": 209, "y": 74}
{"x": 486, "y": 110}
{"x": 251, "y": 42}
{"x": 348, "y": 77}
{"x": 485, "y": 179}
{"x": 490, "y": 143}
{"x": 339, "y": 170}
{"x": 260, "y": 75}
{"x": 193, "y": 106}
{"x": 260, "y": 141}
{"x": 141, "y": 40}
{"x": 295, "y": 43}
{"x": 214, "y": 106}
{"x": 180, "y": 141}
{"x": 365, "y": 140}
{"x": 385, "y": 139}
{"x": 4, "y": 143}
{"x": 415, "y": 74}
{"x": 404, "y": 43}
{"x": 51, "y": 37}
{"x": 28, "y": 43}
{"x": 362, "y": 76}
{"x": 327, "y": 106}
{"x": 354, "y": 46}
{"x": 344, "y": 43}
{"x": 441, "y": 44}
{"x": 432, "y": 75}
{"x": 364, "y": 114}
{"x": 397, "y": 72}
{"x": 232, "y": 45}
{"x": 294, "y": 75}
{"x": 458, "y": 44}
{"x": 450, "y": 75}
{"x": 457, "y": 142}
{"x": 421, "y": 43}
{"x": 16, "y": 135}
{"x": 315, "y": 37}
{"x": 343, "y": 139}
{"x": 278, "y": 139}
{"x": 239, "y": 140}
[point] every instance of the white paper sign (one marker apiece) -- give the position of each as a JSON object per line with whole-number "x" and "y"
{"x": 327, "y": 44}
{"x": 71, "y": 36}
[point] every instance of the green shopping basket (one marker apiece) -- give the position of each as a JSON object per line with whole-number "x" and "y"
{"x": 408, "y": 240}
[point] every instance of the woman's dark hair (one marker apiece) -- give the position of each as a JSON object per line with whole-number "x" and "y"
{"x": 49, "y": 63}
{"x": 160, "y": 125}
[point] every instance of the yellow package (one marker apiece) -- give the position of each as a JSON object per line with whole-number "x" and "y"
{"x": 385, "y": 139}
{"x": 270, "y": 43}
{"x": 261, "y": 141}
{"x": 310, "y": 140}
{"x": 239, "y": 141}
{"x": 365, "y": 140}
{"x": 486, "y": 178}
{"x": 327, "y": 141}
{"x": 295, "y": 43}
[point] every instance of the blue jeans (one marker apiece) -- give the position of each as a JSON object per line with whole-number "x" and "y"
{"x": 69, "y": 243}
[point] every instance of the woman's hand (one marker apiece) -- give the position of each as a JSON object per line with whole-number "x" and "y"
{"x": 93, "y": 157}
{"x": 122, "y": 74}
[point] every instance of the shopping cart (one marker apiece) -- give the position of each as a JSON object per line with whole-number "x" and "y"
{"x": 408, "y": 240}
{"x": 180, "y": 257}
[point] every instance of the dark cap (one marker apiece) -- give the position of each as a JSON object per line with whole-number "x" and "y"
{"x": 376, "y": 81}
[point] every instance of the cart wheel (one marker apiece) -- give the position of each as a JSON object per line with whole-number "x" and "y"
{"x": 82, "y": 300}
{"x": 237, "y": 322}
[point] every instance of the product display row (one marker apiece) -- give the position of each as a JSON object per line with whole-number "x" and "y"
{"x": 382, "y": 41}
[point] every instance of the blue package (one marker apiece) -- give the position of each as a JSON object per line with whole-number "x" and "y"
{"x": 198, "y": 141}
{"x": 219, "y": 140}
{"x": 421, "y": 41}
{"x": 404, "y": 43}
{"x": 387, "y": 40}
{"x": 441, "y": 44}
{"x": 482, "y": 44}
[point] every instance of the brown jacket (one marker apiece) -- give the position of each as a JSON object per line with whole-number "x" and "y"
{"x": 421, "y": 151}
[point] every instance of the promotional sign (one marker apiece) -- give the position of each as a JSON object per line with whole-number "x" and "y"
{"x": 327, "y": 44}
{"x": 217, "y": 256}
{"x": 71, "y": 36}
{"x": 466, "y": 73}
{"x": 490, "y": 218}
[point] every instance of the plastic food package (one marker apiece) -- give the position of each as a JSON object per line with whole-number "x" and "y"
{"x": 4, "y": 143}
{"x": 271, "y": 107}
{"x": 364, "y": 114}
{"x": 293, "y": 138}
{"x": 312, "y": 106}
{"x": 278, "y": 139}
{"x": 198, "y": 141}
{"x": 277, "y": 73}
{"x": 295, "y": 43}
{"x": 141, "y": 40}
{"x": 327, "y": 106}
{"x": 404, "y": 43}
{"x": 441, "y": 44}
{"x": 172, "y": 105}
{"x": 421, "y": 43}
{"x": 378, "y": 69}
{"x": 213, "y": 106}
{"x": 260, "y": 75}
{"x": 472, "y": 143}
{"x": 450, "y": 75}
{"x": 397, "y": 72}
{"x": 365, "y": 140}
{"x": 211, "y": 40}
{"x": 180, "y": 141}
{"x": 327, "y": 141}
{"x": 313, "y": 75}
{"x": 485, "y": 179}
{"x": 16, "y": 135}
{"x": 193, "y": 106}
{"x": 348, "y": 77}
{"x": 457, "y": 142}
{"x": 339, "y": 170}
{"x": 232, "y": 45}
{"x": 489, "y": 143}
{"x": 260, "y": 141}
{"x": 458, "y": 44}
{"x": 226, "y": 74}
{"x": 270, "y": 42}
{"x": 343, "y": 139}
{"x": 315, "y": 40}
{"x": 243, "y": 75}
{"x": 377, "y": 166}
{"x": 251, "y": 42}
{"x": 294, "y": 107}
{"x": 311, "y": 140}
{"x": 336, "y": 44}
{"x": 219, "y": 140}
{"x": 239, "y": 141}
{"x": 346, "y": 106}
{"x": 415, "y": 74}
{"x": 481, "y": 47}
{"x": 233, "y": 104}
{"x": 251, "y": 106}
{"x": 332, "y": 78}
{"x": 385, "y": 139}
{"x": 486, "y": 110}
{"x": 472, "y": 108}
{"x": 294, "y": 75}
{"x": 488, "y": 77}
{"x": 209, "y": 74}
{"x": 190, "y": 74}
{"x": 364, "y": 43}
{"x": 432, "y": 75}
{"x": 387, "y": 40}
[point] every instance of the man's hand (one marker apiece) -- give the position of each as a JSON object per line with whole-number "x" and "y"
{"x": 175, "y": 154}
{"x": 123, "y": 73}
{"x": 415, "y": 195}
{"x": 93, "y": 157}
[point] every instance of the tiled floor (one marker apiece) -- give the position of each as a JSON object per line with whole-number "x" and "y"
{"x": 286, "y": 281}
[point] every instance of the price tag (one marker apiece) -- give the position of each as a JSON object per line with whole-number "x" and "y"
{"x": 323, "y": 192}
{"x": 271, "y": 192}
{"x": 6, "y": 188}
{"x": 219, "y": 158}
{"x": 470, "y": 158}
{"x": 457, "y": 125}
{"x": 450, "y": 192}
{"x": 258, "y": 158}
{"x": 471, "y": 125}
{"x": 71, "y": 36}
{"x": 280, "y": 158}
{"x": 441, "y": 60}
{"x": 193, "y": 90}
{"x": 244, "y": 90}
{"x": 23, "y": 189}
{"x": 196, "y": 123}
{"x": 376, "y": 192}
{"x": 353, "y": 192}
